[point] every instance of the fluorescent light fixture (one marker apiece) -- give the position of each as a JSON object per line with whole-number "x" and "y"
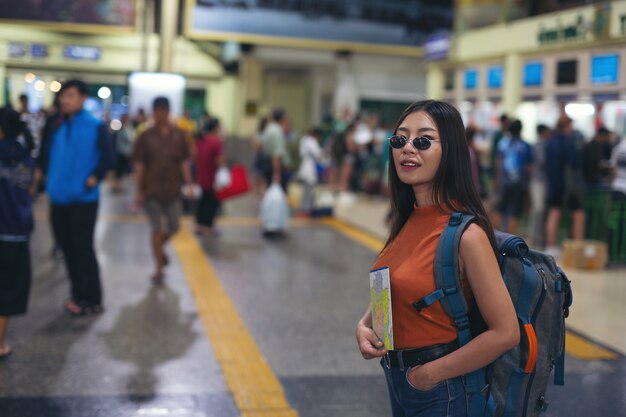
{"x": 144, "y": 87}
{"x": 579, "y": 109}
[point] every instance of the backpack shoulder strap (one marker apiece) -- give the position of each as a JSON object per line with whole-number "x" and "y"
{"x": 447, "y": 277}
{"x": 447, "y": 271}
{"x": 449, "y": 292}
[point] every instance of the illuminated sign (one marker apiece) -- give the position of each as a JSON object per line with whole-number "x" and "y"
{"x": 437, "y": 46}
{"x": 81, "y": 53}
{"x": 471, "y": 79}
{"x": 604, "y": 69}
{"x": 17, "y": 50}
{"x": 533, "y": 74}
{"x": 494, "y": 76}
{"x": 38, "y": 50}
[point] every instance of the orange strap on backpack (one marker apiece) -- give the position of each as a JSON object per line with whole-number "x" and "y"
{"x": 533, "y": 348}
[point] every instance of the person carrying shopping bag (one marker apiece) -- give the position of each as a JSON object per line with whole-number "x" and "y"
{"x": 310, "y": 154}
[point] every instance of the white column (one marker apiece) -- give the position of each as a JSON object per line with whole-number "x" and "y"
{"x": 224, "y": 102}
{"x": 512, "y": 86}
{"x": 346, "y": 91}
{"x": 3, "y": 76}
{"x": 434, "y": 81}
{"x": 169, "y": 17}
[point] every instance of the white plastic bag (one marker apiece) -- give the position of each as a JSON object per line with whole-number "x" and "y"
{"x": 324, "y": 199}
{"x": 307, "y": 173}
{"x": 222, "y": 179}
{"x": 192, "y": 193}
{"x": 274, "y": 210}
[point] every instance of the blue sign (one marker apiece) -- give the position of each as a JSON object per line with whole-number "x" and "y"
{"x": 494, "y": 76}
{"x": 471, "y": 79}
{"x": 437, "y": 46}
{"x": 39, "y": 50}
{"x": 604, "y": 69}
{"x": 533, "y": 74}
{"x": 17, "y": 50}
{"x": 82, "y": 53}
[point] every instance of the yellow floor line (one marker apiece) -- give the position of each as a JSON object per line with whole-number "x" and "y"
{"x": 224, "y": 221}
{"x": 583, "y": 349}
{"x": 251, "y": 381}
{"x": 355, "y": 234}
{"x": 253, "y": 221}
{"x": 577, "y": 346}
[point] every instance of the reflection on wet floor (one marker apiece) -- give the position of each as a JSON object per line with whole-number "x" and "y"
{"x": 242, "y": 326}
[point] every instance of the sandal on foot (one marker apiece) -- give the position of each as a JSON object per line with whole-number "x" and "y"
{"x": 5, "y": 351}
{"x": 79, "y": 309}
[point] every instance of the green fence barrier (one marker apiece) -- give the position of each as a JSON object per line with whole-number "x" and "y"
{"x": 597, "y": 207}
{"x": 616, "y": 224}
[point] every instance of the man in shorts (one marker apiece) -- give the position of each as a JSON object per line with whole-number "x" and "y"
{"x": 161, "y": 158}
{"x": 513, "y": 169}
{"x": 563, "y": 160}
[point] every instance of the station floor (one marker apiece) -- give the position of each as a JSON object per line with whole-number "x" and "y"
{"x": 248, "y": 327}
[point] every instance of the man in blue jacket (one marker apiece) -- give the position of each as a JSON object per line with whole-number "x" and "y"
{"x": 75, "y": 158}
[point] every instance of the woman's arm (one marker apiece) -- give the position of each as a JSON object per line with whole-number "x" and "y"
{"x": 480, "y": 266}
{"x": 369, "y": 344}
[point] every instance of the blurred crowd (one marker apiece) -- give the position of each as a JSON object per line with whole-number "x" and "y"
{"x": 564, "y": 185}
{"x": 535, "y": 190}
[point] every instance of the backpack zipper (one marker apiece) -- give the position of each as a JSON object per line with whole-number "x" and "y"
{"x": 533, "y": 320}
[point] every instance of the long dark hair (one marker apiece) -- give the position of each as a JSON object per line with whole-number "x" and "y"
{"x": 453, "y": 188}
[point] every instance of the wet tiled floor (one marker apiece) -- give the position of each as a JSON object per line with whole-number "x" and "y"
{"x": 298, "y": 298}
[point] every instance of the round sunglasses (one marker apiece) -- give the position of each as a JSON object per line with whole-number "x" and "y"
{"x": 420, "y": 143}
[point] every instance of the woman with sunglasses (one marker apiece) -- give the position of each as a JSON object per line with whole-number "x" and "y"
{"x": 429, "y": 179}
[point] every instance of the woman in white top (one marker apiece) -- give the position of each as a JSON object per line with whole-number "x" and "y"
{"x": 310, "y": 154}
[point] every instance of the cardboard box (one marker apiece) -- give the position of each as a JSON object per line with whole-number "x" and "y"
{"x": 585, "y": 254}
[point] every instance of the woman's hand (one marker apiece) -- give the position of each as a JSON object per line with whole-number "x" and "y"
{"x": 369, "y": 344}
{"x": 421, "y": 378}
{"x": 91, "y": 182}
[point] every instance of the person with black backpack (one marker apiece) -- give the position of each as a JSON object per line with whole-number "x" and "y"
{"x": 430, "y": 179}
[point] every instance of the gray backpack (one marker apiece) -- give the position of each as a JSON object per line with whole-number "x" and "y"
{"x": 513, "y": 385}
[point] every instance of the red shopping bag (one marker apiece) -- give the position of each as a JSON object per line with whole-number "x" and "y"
{"x": 239, "y": 183}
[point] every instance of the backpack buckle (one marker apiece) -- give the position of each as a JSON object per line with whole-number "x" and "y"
{"x": 420, "y": 305}
{"x": 462, "y": 323}
{"x": 455, "y": 219}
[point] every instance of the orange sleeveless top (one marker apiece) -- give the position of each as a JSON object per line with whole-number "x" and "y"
{"x": 410, "y": 260}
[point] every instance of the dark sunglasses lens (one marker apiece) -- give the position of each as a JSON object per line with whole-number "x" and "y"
{"x": 397, "y": 141}
{"x": 421, "y": 143}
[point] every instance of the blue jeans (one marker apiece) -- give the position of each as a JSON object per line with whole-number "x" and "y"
{"x": 446, "y": 399}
